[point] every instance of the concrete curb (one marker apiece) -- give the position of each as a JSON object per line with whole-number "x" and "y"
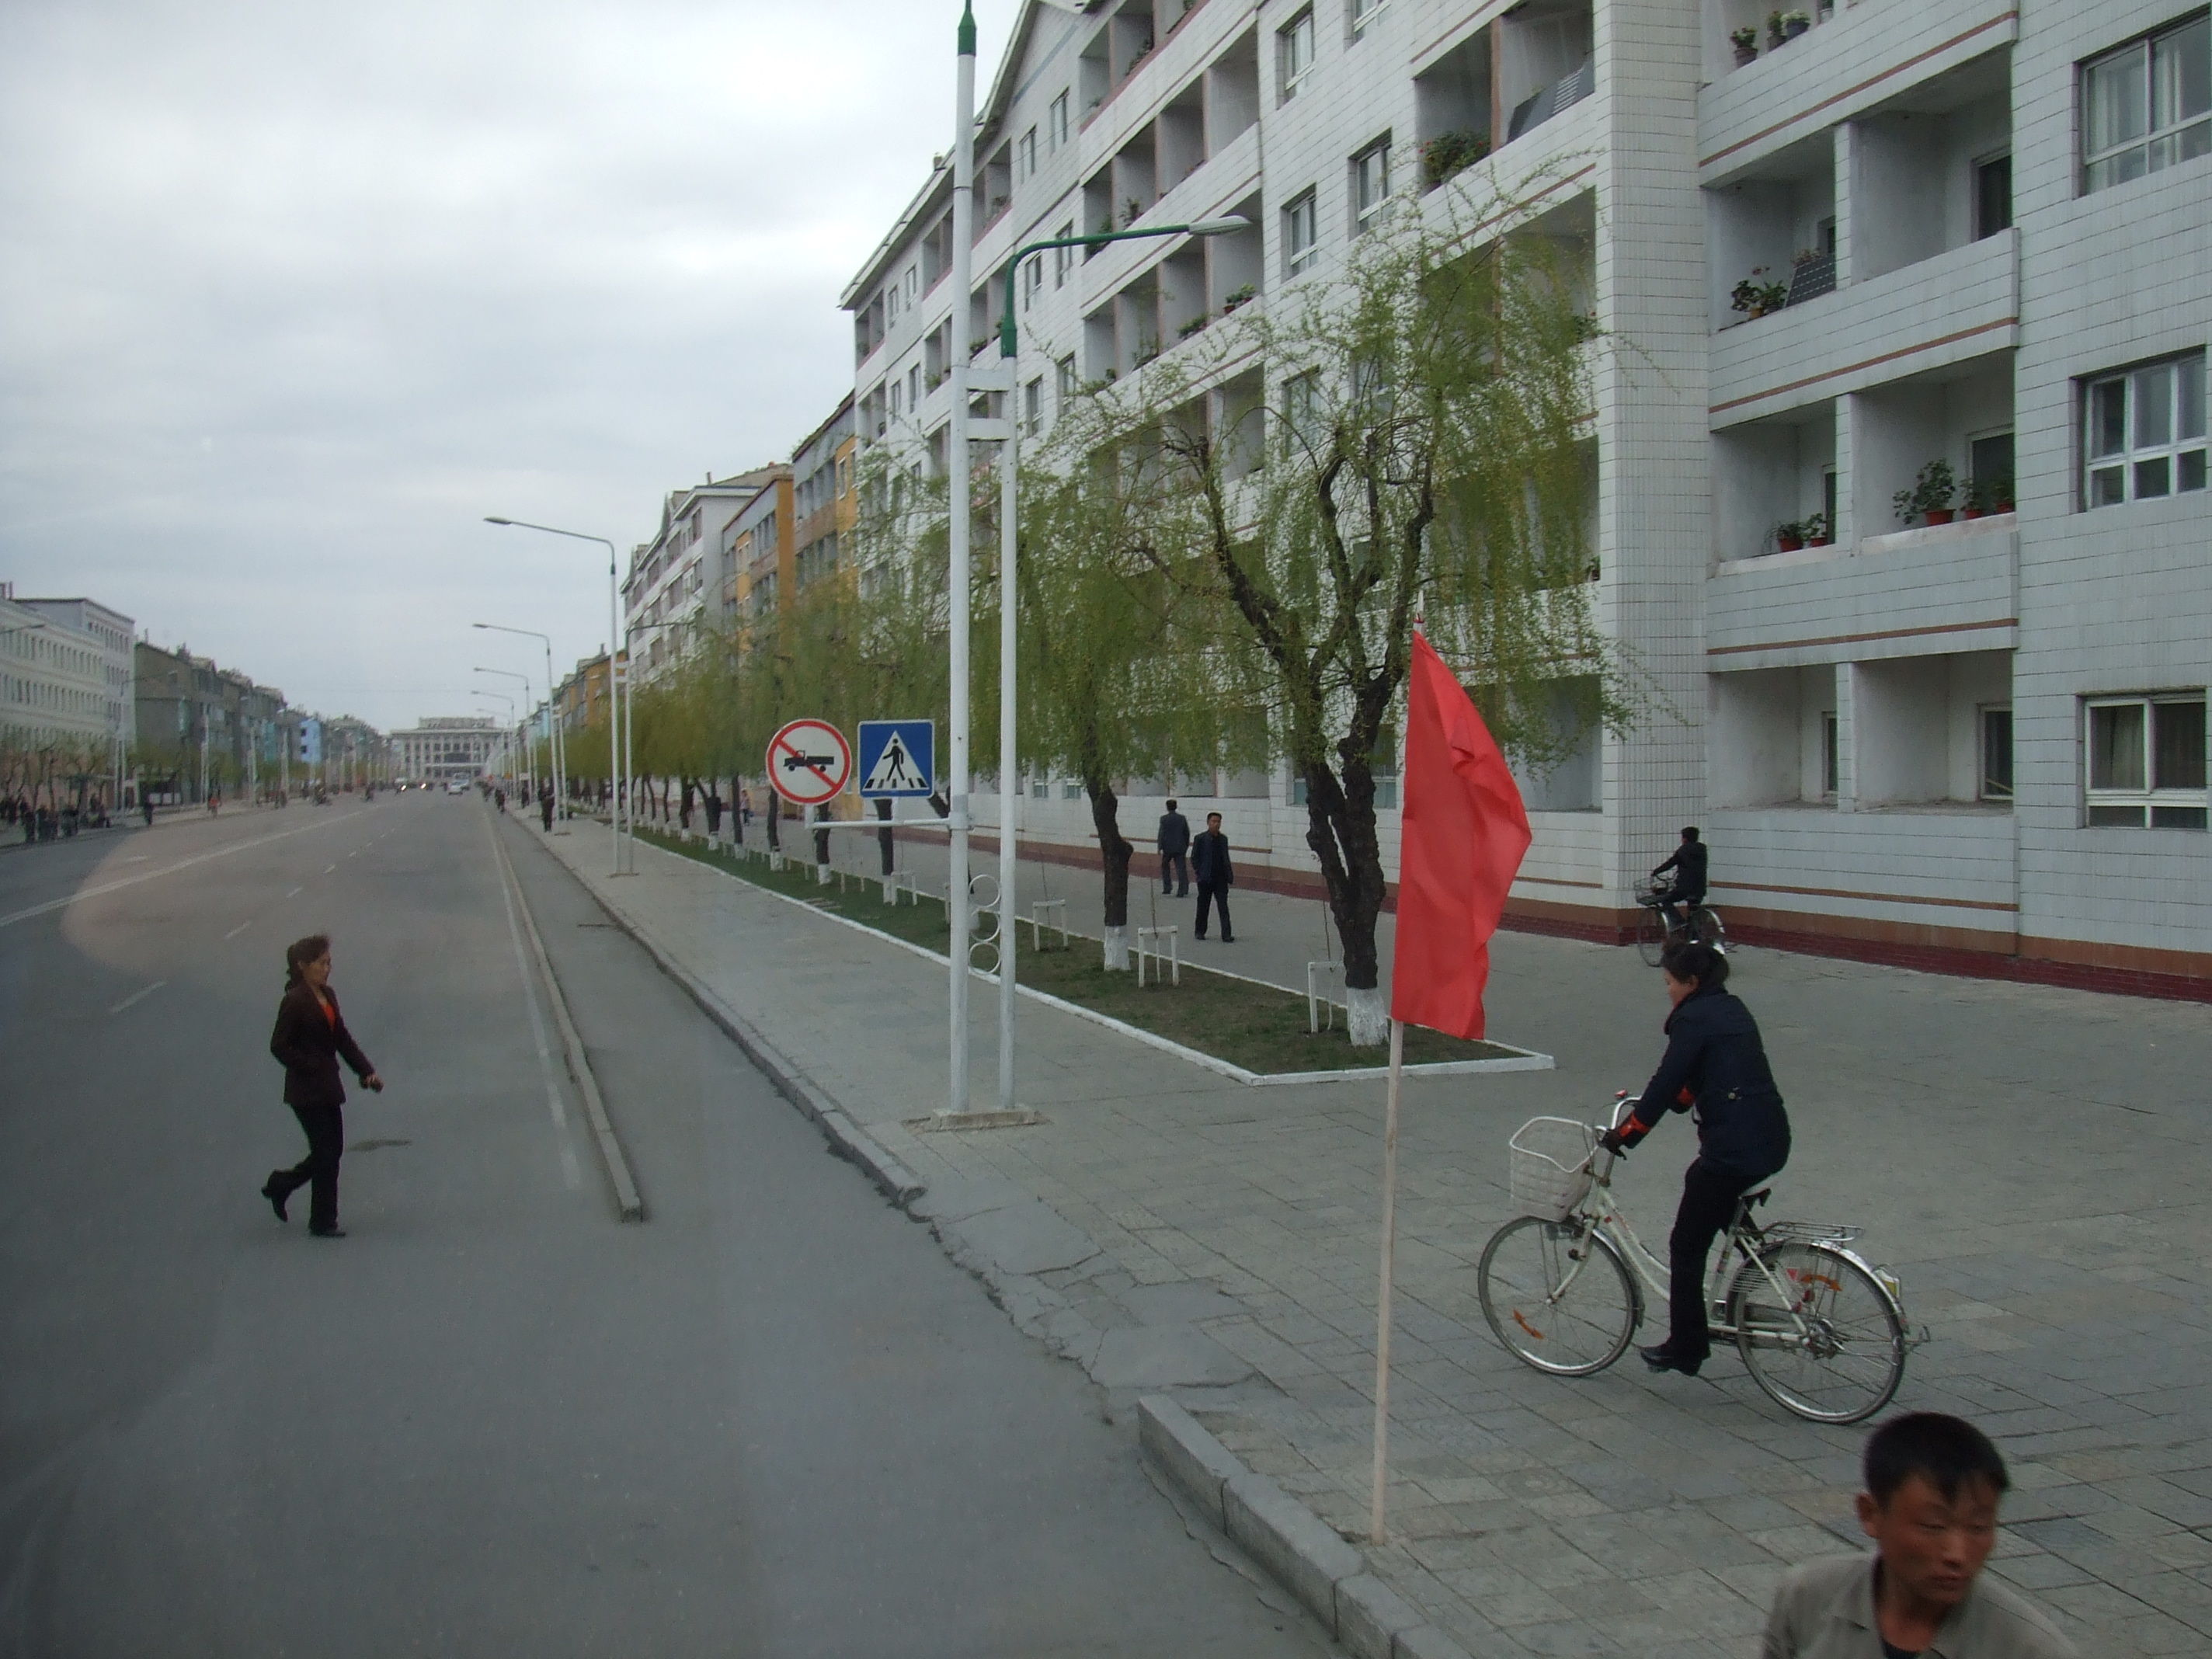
{"x": 628, "y": 1205}
{"x": 1328, "y": 1576}
{"x": 847, "y": 1138}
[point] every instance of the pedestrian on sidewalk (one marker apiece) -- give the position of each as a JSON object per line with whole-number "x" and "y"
{"x": 1209, "y": 864}
{"x": 1175, "y": 843}
{"x": 1933, "y": 1484}
{"x": 1715, "y": 1064}
{"x": 310, "y": 1039}
{"x": 146, "y": 807}
{"x": 545, "y": 806}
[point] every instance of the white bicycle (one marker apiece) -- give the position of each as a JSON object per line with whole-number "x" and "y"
{"x": 1820, "y": 1330}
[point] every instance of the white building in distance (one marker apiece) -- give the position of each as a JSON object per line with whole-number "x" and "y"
{"x": 446, "y": 747}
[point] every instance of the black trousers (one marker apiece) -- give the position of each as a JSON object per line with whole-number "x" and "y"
{"x": 1710, "y": 1191}
{"x": 1214, "y": 892}
{"x": 318, "y": 1171}
{"x": 1179, "y": 866}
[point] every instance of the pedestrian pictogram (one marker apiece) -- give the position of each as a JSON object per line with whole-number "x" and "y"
{"x": 898, "y": 759}
{"x": 809, "y": 761}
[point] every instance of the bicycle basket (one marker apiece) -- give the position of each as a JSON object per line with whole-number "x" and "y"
{"x": 1652, "y": 890}
{"x": 1551, "y": 1166}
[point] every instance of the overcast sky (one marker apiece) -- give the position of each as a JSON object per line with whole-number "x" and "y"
{"x": 292, "y": 293}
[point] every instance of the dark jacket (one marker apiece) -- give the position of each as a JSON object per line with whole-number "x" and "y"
{"x": 1209, "y": 860}
{"x": 1716, "y": 1063}
{"x": 1175, "y": 834}
{"x": 310, "y": 1046}
{"x": 1688, "y": 865}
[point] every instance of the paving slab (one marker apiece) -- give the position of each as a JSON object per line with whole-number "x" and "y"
{"x": 2031, "y": 1162}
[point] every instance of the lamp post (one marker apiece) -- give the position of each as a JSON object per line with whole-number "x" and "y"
{"x": 614, "y": 644}
{"x": 556, "y": 737}
{"x": 499, "y": 697}
{"x": 509, "y": 673}
{"x": 1009, "y": 481}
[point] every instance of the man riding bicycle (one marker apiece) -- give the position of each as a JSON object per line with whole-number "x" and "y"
{"x": 1688, "y": 891}
{"x": 1715, "y": 1064}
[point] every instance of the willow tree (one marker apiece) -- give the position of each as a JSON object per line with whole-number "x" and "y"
{"x": 1428, "y": 455}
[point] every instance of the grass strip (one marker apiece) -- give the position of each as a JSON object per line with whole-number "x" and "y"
{"x": 1262, "y": 1028}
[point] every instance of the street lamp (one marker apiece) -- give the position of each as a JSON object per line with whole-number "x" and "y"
{"x": 498, "y": 696}
{"x": 613, "y": 641}
{"x": 557, "y": 739}
{"x": 1009, "y": 474}
{"x": 509, "y": 673}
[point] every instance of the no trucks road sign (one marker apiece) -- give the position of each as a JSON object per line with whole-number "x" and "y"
{"x": 809, "y": 763}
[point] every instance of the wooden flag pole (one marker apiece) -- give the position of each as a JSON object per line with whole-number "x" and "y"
{"x": 1374, "y": 1531}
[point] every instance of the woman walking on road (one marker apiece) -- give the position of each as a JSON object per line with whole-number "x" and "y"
{"x": 310, "y": 1038}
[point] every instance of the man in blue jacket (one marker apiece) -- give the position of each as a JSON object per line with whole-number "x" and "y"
{"x": 1209, "y": 864}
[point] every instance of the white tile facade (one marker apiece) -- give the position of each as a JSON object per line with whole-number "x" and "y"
{"x": 1869, "y": 136}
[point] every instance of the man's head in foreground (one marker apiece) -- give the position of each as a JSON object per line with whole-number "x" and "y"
{"x": 1933, "y": 1484}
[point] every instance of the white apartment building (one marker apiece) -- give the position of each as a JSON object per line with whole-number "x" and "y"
{"x": 1903, "y": 233}
{"x": 676, "y": 581}
{"x": 66, "y": 678}
{"x": 447, "y": 748}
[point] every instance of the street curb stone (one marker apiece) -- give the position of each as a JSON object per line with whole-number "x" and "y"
{"x": 846, "y": 1138}
{"x": 1301, "y": 1552}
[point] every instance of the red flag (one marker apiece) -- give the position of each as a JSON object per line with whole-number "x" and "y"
{"x": 1464, "y": 834}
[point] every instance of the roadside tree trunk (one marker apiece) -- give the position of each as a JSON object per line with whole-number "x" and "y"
{"x": 1114, "y": 852}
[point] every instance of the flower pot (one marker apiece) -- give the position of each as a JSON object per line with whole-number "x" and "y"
{"x": 1788, "y": 544}
{"x": 1824, "y": 541}
{"x": 1746, "y": 55}
{"x": 1936, "y": 515}
{"x": 1790, "y": 31}
{"x": 1971, "y": 513}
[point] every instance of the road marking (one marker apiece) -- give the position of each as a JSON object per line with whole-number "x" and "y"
{"x": 331, "y": 870}
{"x": 26, "y": 915}
{"x": 138, "y": 996}
{"x": 296, "y": 892}
{"x": 570, "y": 1171}
{"x": 241, "y": 928}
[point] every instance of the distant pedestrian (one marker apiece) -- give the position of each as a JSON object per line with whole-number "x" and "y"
{"x": 1933, "y": 1484}
{"x": 714, "y": 813}
{"x": 1175, "y": 843}
{"x": 1210, "y": 866}
{"x": 545, "y": 807}
{"x": 499, "y": 799}
{"x": 310, "y": 1039}
{"x": 146, "y": 807}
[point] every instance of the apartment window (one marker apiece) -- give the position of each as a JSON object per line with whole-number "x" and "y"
{"x": 1302, "y": 405}
{"x": 1071, "y": 789}
{"x": 1063, "y": 258}
{"x": 1032, "y": 279}
{"x": 2146, "y": 762}
{"x": 1370, "y": 184}
{"x": 892, "y": 303}
{"x": 2147, "y": 106}
{"x": 1362, "y": 13}
{"x": 1993, "y": 195}
{"x": 1294, "y": 54}
{"x": 1989, "y": 470}
{"x": 1056, "y": 123}
{"x": 2143, "y": 432}
{"x": 1064, "y": 383}
{"x": 1040, "y": 787}
{"x": 1032, "y": 406}
{"x": 894, "y": 399}
{"x": 914, "y": 387}
{"x": 1830, "y": 753}
{"x": 1028, "y": 154}
{"x": 1996, "y": 752}
{"x": 1301, "y": 233}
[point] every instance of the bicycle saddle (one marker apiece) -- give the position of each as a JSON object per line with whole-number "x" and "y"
{"x": 1751, "y": 1200}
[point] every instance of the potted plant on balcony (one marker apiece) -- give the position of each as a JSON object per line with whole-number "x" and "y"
{"x": 1789, "y": 535}
{"x": 1989, "y": 494}
{"x": 1818, "y": 532}
{"x": 1794, "y": 23}
{"x": 1930, "y": 498}
{"x": 1746, "y": 42}
{"x": 1774, "y": 35}
{"x": 1450, "y": 152}
{"x": 1192, "y": 326}
{"x": 1236, "y": 297}
{"x": 1756, "y": 298}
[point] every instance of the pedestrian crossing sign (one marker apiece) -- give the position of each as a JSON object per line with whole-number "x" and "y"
{"x": 898, "y": 759}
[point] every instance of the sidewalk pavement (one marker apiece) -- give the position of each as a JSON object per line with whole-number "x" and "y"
{"x": 2029, "y": 1160}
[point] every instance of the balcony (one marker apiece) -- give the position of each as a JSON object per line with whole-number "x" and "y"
{"x": 1917, "y": 592}
{"x": 1925, "y": 317}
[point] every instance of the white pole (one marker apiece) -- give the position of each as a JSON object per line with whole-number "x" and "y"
{"x": 1374, "y": 1532}
{"x": 964, "y": 220}
{"x": 614, "y": 725}
{"x": 1010, "y": 775}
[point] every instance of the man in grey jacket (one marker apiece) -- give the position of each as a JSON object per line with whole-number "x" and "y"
{"x": 1933, "y": 1484}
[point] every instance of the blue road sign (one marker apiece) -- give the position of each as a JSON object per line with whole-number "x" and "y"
{"x": 898, "y": 759}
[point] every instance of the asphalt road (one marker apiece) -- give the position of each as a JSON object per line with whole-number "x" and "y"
{"x": 772, "y": 1420}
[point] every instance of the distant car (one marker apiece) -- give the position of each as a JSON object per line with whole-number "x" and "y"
{"x": 457, "y": 787}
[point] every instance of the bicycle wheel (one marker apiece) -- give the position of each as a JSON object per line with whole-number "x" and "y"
{"x": 1706, "y": 928}
{"x": 1650, "y": 934}
{"x": 1557, "y": 1301}
{"x": 1835, "y": 1352}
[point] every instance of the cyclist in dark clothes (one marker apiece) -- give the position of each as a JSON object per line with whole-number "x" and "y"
{"x": 1688, "y": 865}
{"x": 1715, "y": 1065}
